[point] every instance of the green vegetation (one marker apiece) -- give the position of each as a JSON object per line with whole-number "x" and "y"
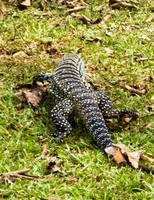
{"x": 44, "y": 39}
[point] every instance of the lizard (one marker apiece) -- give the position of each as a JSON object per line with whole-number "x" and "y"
{"x": 73, "y": 94}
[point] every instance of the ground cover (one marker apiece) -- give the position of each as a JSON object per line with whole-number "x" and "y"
{"x": 117, "y": 47}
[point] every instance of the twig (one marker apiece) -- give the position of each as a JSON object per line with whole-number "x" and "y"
{"x": 14, "y": 26}
{"x": 26, "y": 176}
{"x": 133, "y": 90}
{"x": 23, "y": 171}
{"x": 12, "y": 179}
{"x": 145, "y": 168}
{"x": 147, "y": 115}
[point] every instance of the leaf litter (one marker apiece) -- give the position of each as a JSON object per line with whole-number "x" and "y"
{"x": 122, "y": 154}
{"x": 32, "y": 96}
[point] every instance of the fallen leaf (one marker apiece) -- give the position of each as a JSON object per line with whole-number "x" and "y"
{"x": 141, "y": 59}
{"x": 54, "y": 167}
{"x": 23, "y": 171}
{"x": 109, "y": 51}
{"x": 151, "y": 78}
{"x": 119, "y": 152}
{"x": 146, "y": 158}
{"x": 78, "y": 49}
{"x": 83, "y": 18}
{"x": 19, "y": 54}
{"x": 74, "y": 10}
{"x": 46, "y": 14}
{"x": 117, "y": 4}
{"x": 20, "y": 191}
{"x": 100, "y": 8}
{"x": 108, "y": 16}
{"x": 74, "y": 179}
{"x": 44, "y": 151}
{"x": 152, "y": 98}
{"x": 148, "y": 125}
{"x": 133, "y": 90}
{"x": 2, "y": 10}
{"x": 49, "y": 198}
{"x": 32, "y": 97}
{"x": 149, "y": 19}
{"x": 26, "y": 3}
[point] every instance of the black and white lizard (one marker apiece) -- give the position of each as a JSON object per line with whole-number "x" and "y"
{"x": 73, "y": 93}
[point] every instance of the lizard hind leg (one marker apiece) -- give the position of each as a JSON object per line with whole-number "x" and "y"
{"x": 105, "y": 106}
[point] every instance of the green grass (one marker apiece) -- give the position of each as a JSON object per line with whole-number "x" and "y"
{"x": 98, "y": 176}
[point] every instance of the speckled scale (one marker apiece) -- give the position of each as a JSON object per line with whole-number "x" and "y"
{"x": 73, "y": 93}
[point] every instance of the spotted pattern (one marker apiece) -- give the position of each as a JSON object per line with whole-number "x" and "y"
{"x": 73, "y": 93}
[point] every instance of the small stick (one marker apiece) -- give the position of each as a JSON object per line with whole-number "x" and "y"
{"x": 44, "y": 151}
{"x": 23, "y": 171}
{"x": 152, "y": 114}
{"x": 26, "y": 176}
{"x": 74, "y": 10}
{"x": 145, "y": 168}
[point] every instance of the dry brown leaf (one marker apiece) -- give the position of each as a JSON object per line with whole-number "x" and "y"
{"x": 74, "y": 10}
{"x": 26, "y": 3}
{"x": 10, "y": 2}
{"x": 117, "y": 4}
{"x": 78, "y": 49}
{"x": 133, "y": 90}
{"x": 19, "y": 54}
{"x": 54, "y": 167}
{"x": 83, "y": 18}
{"x": 72, "y": 27}
{"x": 20, "y": 191}
{"x": 50, "y": 198}
{"x": 83, "y": 3}
{"x": 99, "y": 8}
{"x": 109, "y": 51}
{"x": 32, "y": 97}
{"x": 96, "y": 21}
{"x": 74, "y": 179}
{"x": 3, "y": 180}
{"x": 8, "y": 180}
{"x": 148, "y": 125}
{"x": 108, "y": 16}
{"x": 149, "y": 19}
{"x": 20, "y": 96}
{"x": 146, "y": 158}
{"x": 46, "y": 14}
{"x": 119, "y": 152}
{"x": 152, "y": 98}
{"x": 151, "y": 78}
{"x": 2, "y": 10}
{"x": 141, "y": 59}
{"x": 44, "y": 151}
{"x": 117, "y": 155}
{"x": 23, "y": 171}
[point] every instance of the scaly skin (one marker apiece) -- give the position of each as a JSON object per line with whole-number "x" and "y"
{"x": 73, "y": 93}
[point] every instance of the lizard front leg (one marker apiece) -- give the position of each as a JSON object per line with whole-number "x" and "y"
{"x": 41, "y": 76}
